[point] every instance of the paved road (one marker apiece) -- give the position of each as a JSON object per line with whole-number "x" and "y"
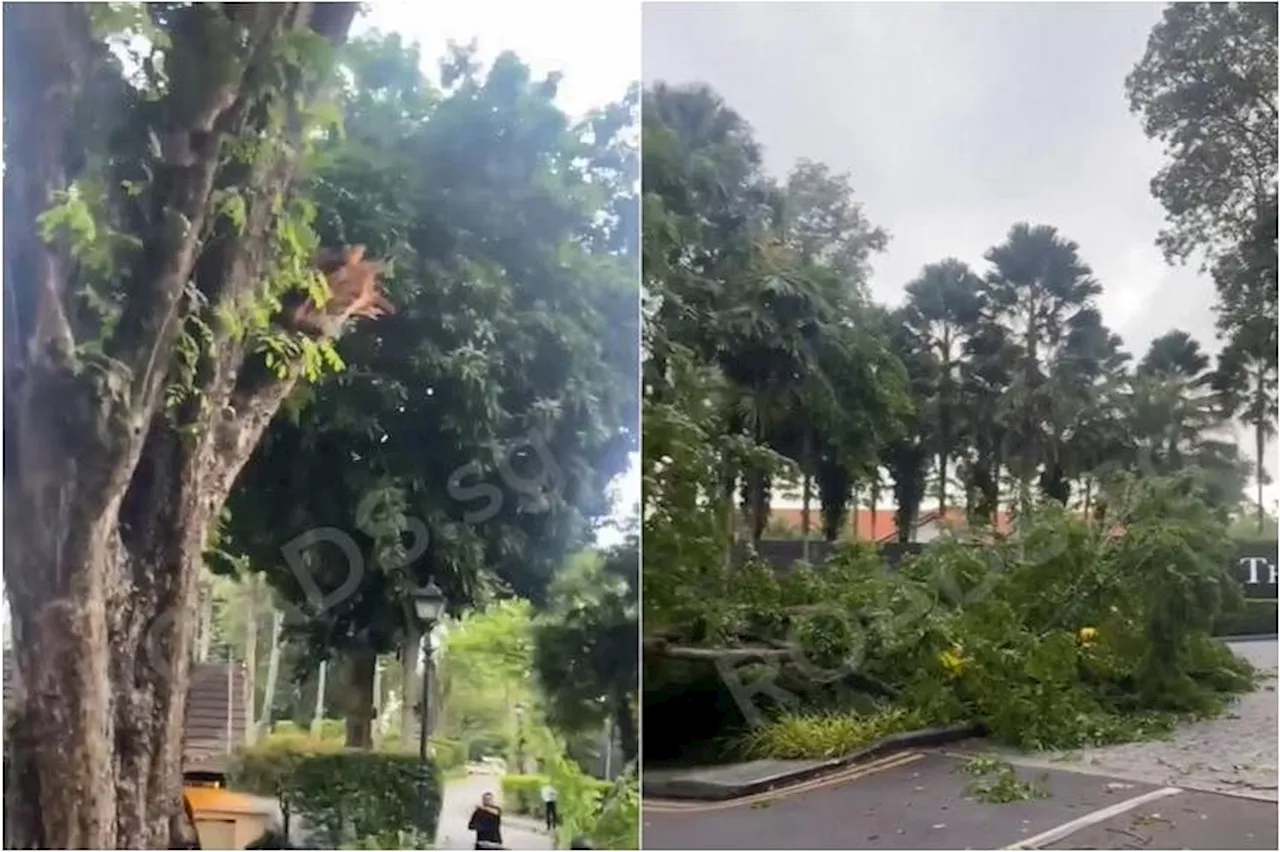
{"x": 922, "y": 804}
{"x": 1156, "y": 795}
{"x": 460, "y": 798}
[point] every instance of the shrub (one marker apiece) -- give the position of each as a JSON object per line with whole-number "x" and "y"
{"x": 1256, "y": 618}
{"x": 522, "y": 794}
{"x": 825, "y": 734}
{"x": 618, "y": 826}
{"x": 607, "y": 813}
{"x": 347, "y": 796}
{"x": 330, "y": 729}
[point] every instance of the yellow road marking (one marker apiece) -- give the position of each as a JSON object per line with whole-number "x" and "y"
{"x": 669, "y": 806}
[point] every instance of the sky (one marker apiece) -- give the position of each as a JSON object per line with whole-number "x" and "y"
{"x": 956, "y": 121}
{"x": 547, "y": 37}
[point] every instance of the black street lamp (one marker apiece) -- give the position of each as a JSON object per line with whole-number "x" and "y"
{"x": 428, "y": 605}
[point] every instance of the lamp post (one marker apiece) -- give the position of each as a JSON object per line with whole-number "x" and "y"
{"x": 428, "y": 605}
{"x": 520, "y": 738}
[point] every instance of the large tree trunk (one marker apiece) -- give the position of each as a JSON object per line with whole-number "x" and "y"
{"x": 109, "y": 496}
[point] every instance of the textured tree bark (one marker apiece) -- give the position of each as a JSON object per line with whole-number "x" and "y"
{"x": 107, "y": 507}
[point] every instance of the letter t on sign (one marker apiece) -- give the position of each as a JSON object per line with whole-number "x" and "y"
{"x": 1255, "y": 562}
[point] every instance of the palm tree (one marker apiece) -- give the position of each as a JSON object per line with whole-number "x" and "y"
{"x": 1088, "y": 381}
{"x": 1037, "y": 286}
{"x": 1174, "y": 403}
{"x": 943, "y": 305}
{"x": 986, "y": 375}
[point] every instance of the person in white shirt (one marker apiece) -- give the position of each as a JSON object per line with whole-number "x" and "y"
{"x": 549, "y": 806}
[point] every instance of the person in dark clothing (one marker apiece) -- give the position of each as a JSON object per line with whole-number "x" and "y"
{"x": 486, "y": 822}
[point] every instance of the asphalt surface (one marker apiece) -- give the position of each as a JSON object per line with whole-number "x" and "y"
{"x": 921, "y": 802}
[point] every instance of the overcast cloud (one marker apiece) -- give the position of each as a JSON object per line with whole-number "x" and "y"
{"x": 957, "y": 120}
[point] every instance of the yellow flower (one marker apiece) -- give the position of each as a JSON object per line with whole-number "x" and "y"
{"x": 953, "y": 660}
{"x": 1087, "y": 635}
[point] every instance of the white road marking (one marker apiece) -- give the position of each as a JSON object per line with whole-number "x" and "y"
{"x": 1069, "y": 828}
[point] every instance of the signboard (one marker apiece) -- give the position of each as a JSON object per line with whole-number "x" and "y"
{"x": 1256, "y": 569}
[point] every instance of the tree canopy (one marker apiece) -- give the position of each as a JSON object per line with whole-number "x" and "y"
{"x": 478, "y": 428}
{"x": 1206, "y": 88}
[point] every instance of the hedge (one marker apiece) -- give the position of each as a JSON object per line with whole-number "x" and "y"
{"x": 522, "y": 794}
{"x": 1257, "y": 618}
{"x": 345, "y": 796}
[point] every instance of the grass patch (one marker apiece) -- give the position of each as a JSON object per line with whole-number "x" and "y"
{"x": 797, "y": 736}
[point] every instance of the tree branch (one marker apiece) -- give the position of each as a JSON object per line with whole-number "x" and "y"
{"x": 182, "y": 188}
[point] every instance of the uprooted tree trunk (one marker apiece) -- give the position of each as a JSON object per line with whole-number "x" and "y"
{"x": 109, "y": 494}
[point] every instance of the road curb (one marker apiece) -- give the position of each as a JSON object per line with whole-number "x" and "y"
{"x": 710, "y": 791}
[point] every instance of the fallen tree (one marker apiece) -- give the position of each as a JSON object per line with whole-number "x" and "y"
{"x": 150, "y": 237}
{"x": 1066, "y": 633}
